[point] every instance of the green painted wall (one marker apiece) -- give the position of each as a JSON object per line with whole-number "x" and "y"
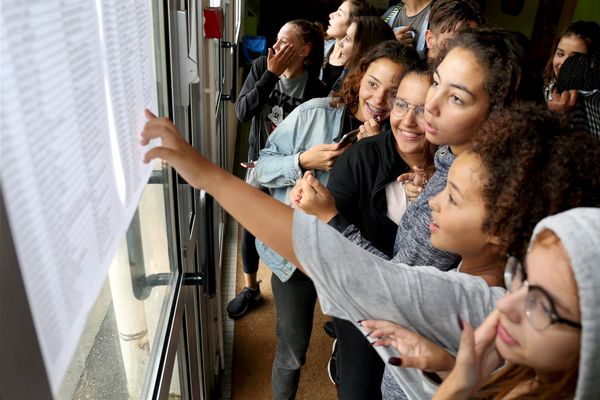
{"x": 522, "y": 23}
{"x": 587, "y": 10}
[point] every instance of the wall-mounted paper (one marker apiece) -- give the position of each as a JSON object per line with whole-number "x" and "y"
{"x": 59, "y": 172}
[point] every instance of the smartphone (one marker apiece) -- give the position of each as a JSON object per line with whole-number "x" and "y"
{"x": 349, "y": 138}
{"x": 249, "y": 164}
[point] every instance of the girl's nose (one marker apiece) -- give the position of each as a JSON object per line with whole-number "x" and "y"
{"x": 432, "y": 104}
{"x": 513, "y": 305}
{"x": 409, "y": 118}
{"x": 434, "y": 202}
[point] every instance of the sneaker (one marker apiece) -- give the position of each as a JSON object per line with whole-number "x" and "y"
{"x": 332, "y": 365}
{"x": 329, "y": 329}
{"x": 245, "y": 299}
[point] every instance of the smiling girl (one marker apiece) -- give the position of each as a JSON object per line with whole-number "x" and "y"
{"x": 354, "y": 284}
{"x": 363, "y": 183}
{"x": 579, "y": 37}
{"x": 305, "y": 141}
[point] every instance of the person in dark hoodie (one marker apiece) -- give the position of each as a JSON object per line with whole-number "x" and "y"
{"x": 277, "y": 83}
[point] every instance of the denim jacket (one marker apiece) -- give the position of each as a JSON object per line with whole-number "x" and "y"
{"x": 312, "y": 123}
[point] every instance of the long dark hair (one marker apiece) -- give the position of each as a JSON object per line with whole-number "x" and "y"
{"x": 370, "y": 31}
{"x": 390, "y": 49}
{"x": 588, "y": 31}
{"x": 311, "y": 33}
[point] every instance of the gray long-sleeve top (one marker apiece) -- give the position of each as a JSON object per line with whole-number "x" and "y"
{"x": 355, "y": 284}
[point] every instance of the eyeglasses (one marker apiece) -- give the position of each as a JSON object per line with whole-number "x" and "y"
{"x": 539, "y": 306}
{"x": 402, "y": 106}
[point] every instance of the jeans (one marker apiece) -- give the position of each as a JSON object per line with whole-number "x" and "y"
{"x": 359, "y": 367}
{"x": 295, "y": 302}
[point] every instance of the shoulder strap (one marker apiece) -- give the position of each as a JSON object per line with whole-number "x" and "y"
{"x": 394, "y": 12}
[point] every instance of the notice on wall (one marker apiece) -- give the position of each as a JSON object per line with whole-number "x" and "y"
{"x": 75, "y": 77}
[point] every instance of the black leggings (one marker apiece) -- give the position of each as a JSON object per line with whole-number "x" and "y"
{"x": 249, "y": 253}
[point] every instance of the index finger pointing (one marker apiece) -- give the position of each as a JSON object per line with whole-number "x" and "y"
{"x": 149, "y": 114}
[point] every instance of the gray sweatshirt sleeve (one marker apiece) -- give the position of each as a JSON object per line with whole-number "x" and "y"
{"x": 354, "y": 284}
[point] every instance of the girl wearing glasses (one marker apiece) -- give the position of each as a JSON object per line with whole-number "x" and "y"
{"x": 363, "y": 183}
{"x": 496, "y": 192}
{"x": 536, "y": 329}
{"x": 305, "y": 141}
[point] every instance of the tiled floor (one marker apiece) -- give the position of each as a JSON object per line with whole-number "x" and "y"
{"x": 227, "y": 293}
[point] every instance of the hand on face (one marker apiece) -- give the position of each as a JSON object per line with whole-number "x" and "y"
{"x": 477, "y": 358}
{"x": 369, "y": 128}
{"x": 564, "y": 102}
{"x": 278, "y": 62}
{"x": 173, "y": 149}
{"x": 321, "y": 157}
{"x": 314, "y": 198}
{"x": 415, "y": 350}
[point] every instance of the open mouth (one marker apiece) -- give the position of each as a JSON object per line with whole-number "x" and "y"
{"x": 376, "y": 112}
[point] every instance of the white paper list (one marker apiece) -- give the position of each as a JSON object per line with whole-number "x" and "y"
{"x": 59, "y": 180}
{"x": 127, "y": 51}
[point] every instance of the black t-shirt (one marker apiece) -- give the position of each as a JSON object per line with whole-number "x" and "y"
{"x": 331, "y": 73}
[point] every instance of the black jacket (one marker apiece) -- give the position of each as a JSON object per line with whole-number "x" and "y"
{"x": 357, "y": 182}
{"x": 254, "y": 95}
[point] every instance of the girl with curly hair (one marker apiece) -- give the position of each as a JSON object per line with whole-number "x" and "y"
{"x": 305, "y": 141}
{"x": 276, "y": 84}
{"x": 487, "y": 209}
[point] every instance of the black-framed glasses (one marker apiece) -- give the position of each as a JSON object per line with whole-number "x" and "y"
{"x": 540, "y": 309}
{"x": 401, "y": 108}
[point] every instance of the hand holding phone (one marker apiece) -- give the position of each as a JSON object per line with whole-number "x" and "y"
{"x": 349, "y": 138}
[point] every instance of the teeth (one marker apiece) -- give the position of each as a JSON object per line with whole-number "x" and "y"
{"x": 375, "y": 109}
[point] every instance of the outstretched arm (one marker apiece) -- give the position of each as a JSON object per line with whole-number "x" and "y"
{"x": 266, "y": 218}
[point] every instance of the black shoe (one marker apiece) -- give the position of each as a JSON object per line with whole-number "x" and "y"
{"x": 332, "y": 365}
{"x": 245, "y": 299}
{"x": 329, "y": 329}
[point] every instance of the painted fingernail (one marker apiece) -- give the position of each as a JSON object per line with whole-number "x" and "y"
{"x": 368, "y": 334}
{"x": 395, "y": 361}
{"x": 460, "y": 323}
{"x": 372, "y": 343}
{"x": 360, "y": 321}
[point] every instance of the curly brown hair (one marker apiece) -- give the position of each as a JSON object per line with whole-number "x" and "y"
{"x": 390, "y": 49}
{"x": 534, "y": 165}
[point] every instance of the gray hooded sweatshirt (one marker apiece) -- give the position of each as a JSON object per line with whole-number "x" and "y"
{"x": 579, "y": 232}
{"x": 354, "y": 284}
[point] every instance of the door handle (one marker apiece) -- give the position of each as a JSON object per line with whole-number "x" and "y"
{"x": 233, "y": 48}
